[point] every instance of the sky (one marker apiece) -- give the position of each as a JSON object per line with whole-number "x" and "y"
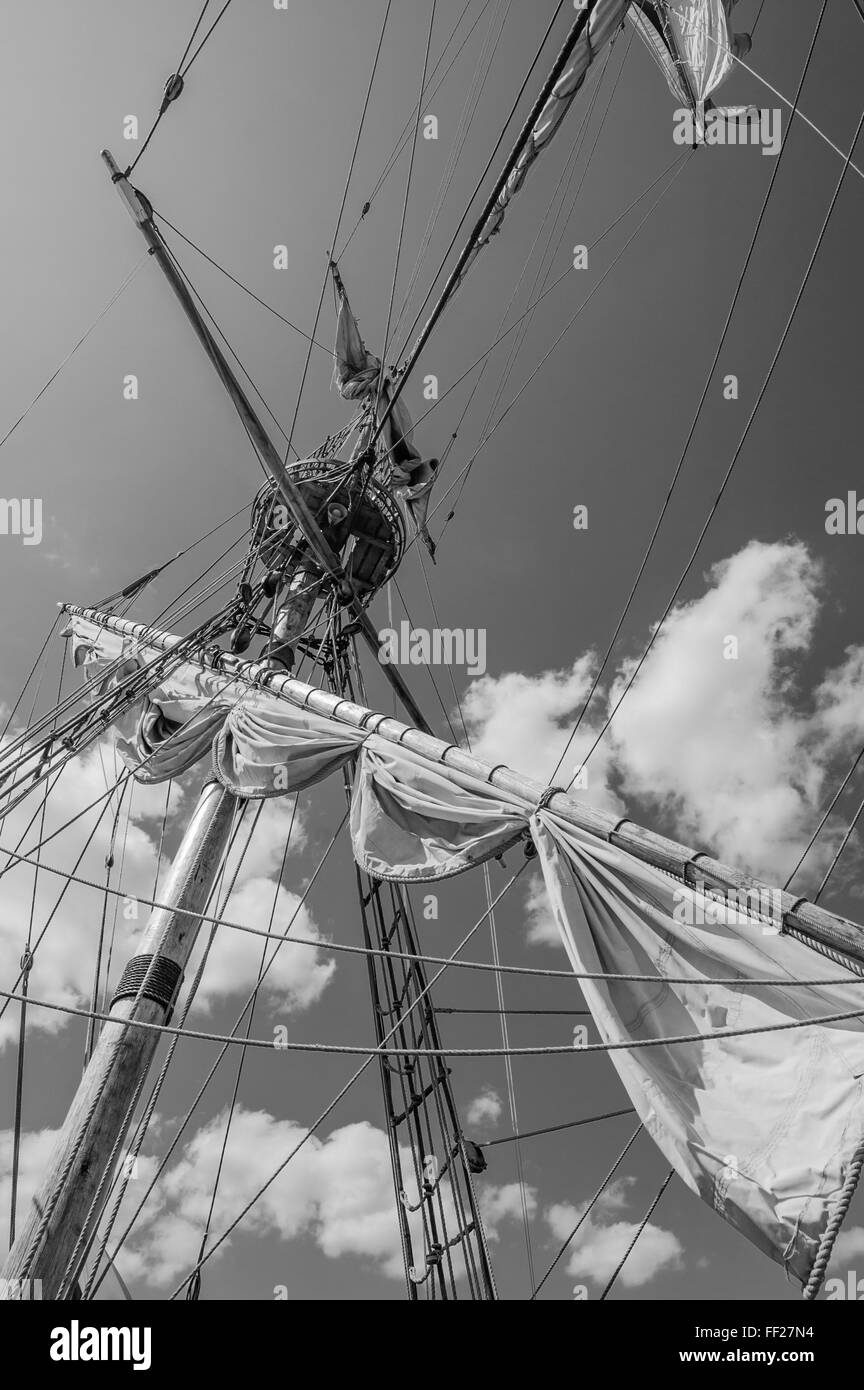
{"x": 737, "y": 756}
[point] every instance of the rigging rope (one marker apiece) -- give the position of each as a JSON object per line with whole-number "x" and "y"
{"x": 834, "y": 862}
{"x": 591, "y": 1205}
{"x": 727, "y": 477}
{"x": 644, "y": 1222}
{"x": 405, "y": 200}
{"x": 554, "y": 1129}
{"x": 466, "y": 120}
{"x": 249, "y": 1004}
{"x": 54, "y": 375}
{"x": 695, "y": 421}
{"x": 452, "y": 282}
{"x": 817, "y": 832}
{"x": 353, "y": 1049}
{"x": 78, "y": 1258}
{"x": 143, "y": 1125}
{"x": 400, "y": 143}
{"x": 335, "y": 235}
{"x": 195, "y": 1288}
{"x": 682, "y": 164}
{"x": 525, "y": 322}
{"x": 239, "y": 283}
{"x": 423, "y": 993}
{"x": 531, "y": 971}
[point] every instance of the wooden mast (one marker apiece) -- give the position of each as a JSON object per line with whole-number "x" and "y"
{"x": 142, "y": 214}
{"x": 66, "y": 1208}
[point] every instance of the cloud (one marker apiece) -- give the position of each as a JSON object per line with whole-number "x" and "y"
{"x": 526, "y": 721}
{"x": 539, "y": 920}
{"x": 297, "y": 976}
{"x": 485, "y": 1109}
{"x": 500, "y": 1204}
{"x": 64, "y": 962}
{"x": 63, "y": 965}
{"x": 601, "y": 1243}
{"x": 336, "y": 1191}
{"x": 719, "y": 734}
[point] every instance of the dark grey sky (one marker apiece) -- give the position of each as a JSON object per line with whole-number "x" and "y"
{"x": 255, "y": 154}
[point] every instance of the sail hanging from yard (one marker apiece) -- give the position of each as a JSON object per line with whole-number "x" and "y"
{"x": 359, "y": 377}
{"x": 740, "y": 1050}
{"x": 694, "y": 45}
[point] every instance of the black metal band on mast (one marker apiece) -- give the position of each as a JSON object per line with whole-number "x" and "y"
{"x": 576, "y": 32}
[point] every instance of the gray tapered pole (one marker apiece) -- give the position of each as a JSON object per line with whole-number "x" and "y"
{"x": 142, "y": 215}
{"x": 98, "y": 1117}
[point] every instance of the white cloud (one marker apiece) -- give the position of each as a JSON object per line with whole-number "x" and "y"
{"x": 64, "y": 962}
{"x": 735, "y": 753}
{"x": 526, "y": 721}
{"x": 601, "y": 1243}
{"x": 336, "y": 1191}
{"x": 298, "y": 975}
{"x": 485, "y": 1109}
{"x": 542, "y": 930}
{"x": 500, "y": 1204}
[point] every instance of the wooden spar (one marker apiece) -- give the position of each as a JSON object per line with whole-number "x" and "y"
{"x": 812, "y": 923}
{"x": 142, "y": 215}
{"x": 98, "y": 1118}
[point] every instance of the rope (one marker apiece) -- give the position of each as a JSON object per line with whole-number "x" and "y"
{"x": 578, "y": 25}
{"x": 511, "y": 1013}
{"x": 328, "y": 1110}
{"x": 466, "y": 120}
{"x": 239, "y": 283}
{"x": 644, "y": 1222}
{"x": 250, "y": 1002}
{"x": 728, "y": 475}
{"x": 400, "y": 143}
{"x": 206, "y": 37}
{"x": 190, "y": 998}
{"x": 843, "y": 843}
{"x": 591, "y": 1205}
{"x": 574, "y": 157}
{"x": 531, "y": 971}
{"x": 511, "y": 1085}
{"x": 109, "y": 864}
{"x": 518, "y": 342}
{"x": 30, "y": 675}
{"x": 349, "y": 1049}
{"x": 405, "y": 201}
{"x": 832, "y": 1230}
{"x": 681, "y": 164}
{"x": 816, "y": 833}
{"x": 54, "y": 375}
{"x": 195, "y": 1288}
{"x": 333, "y": 239}
{"x": 695, "y": 421}
{"x": 554, "y": 1129}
